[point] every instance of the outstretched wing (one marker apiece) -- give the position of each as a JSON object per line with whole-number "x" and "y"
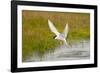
{"x": 65, "y": 42}
{"x": 52, "y": 27}
{"x": 66, "y": 31}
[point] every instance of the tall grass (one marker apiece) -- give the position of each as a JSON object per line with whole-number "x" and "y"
{"x": 37, "y": 37}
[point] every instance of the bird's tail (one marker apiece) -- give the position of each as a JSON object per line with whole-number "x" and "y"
{"x": 65, "y": 42}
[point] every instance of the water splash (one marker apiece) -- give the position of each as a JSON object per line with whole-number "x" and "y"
{"x": 78, "y": 50}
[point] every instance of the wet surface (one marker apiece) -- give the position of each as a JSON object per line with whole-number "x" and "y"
{"x": 78, "y": 50}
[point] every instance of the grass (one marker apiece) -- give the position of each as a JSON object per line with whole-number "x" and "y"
{"x": 37, "y": 37}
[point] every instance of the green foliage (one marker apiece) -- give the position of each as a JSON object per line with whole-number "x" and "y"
{"x": 37, "y": 37}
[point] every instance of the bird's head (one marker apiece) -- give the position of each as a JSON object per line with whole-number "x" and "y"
{"x": 54, "y": 37}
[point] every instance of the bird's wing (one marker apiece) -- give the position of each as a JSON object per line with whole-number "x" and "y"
{"x": 65, "y": 32}
{"x": 52, "y": 27}
{"x": 65, "y": 42}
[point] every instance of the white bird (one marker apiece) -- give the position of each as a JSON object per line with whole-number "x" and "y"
{"x": 59, "y": 36}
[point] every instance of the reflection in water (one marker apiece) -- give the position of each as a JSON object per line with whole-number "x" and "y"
{"x": 78, "y": 50}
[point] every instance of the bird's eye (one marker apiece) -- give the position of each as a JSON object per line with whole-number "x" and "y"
{"x": 54, "y": 37}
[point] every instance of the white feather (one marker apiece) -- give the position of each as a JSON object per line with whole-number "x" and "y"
{"x": 66, "y": 43}
{"x": 52, "y": 28}
{"x": 59, "y": 35}
{"x": 65, "y": 32}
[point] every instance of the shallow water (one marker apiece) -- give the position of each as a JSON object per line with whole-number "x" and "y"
{"x": 78, "y": 50}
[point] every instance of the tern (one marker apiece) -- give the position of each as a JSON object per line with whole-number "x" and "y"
{"x": 59, "y": 36}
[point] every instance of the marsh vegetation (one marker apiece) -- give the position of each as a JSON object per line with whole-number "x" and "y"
{"x": 37, "y": 37}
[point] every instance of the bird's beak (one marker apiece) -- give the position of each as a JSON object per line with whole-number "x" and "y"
{"x": 54, "y": 37}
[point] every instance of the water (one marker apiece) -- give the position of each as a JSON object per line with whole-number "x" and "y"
{"x": 78, "y": 50}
